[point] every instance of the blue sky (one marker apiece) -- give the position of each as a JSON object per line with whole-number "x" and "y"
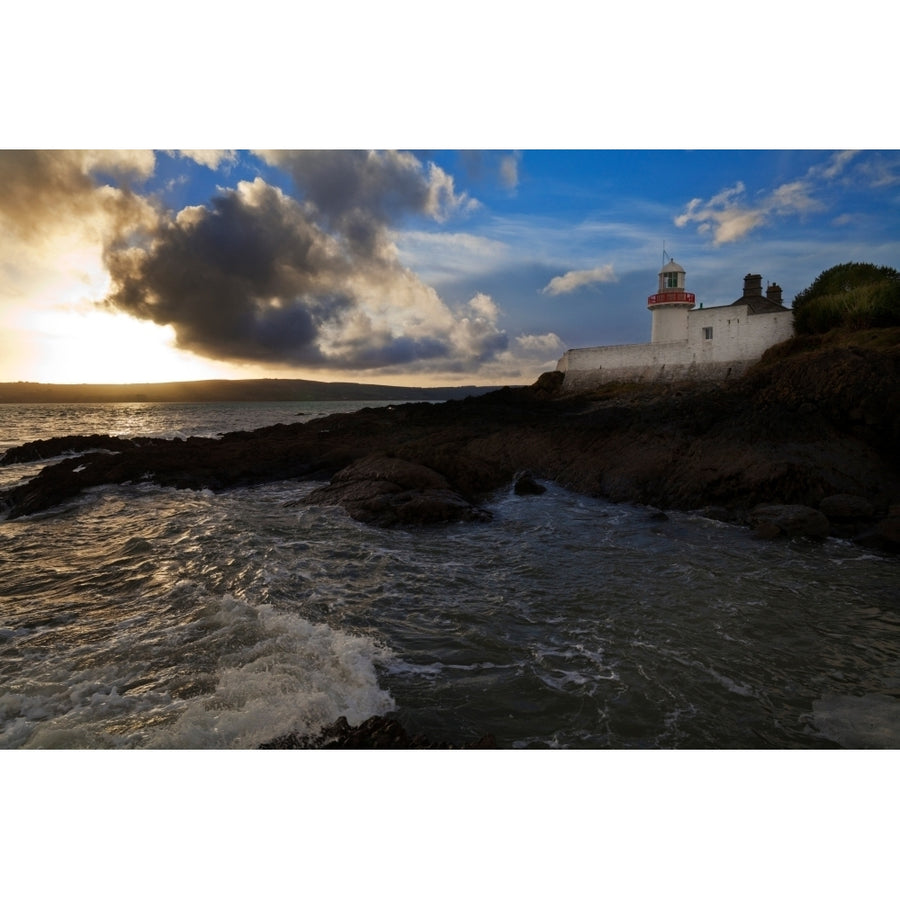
{"x": 406, "y": 267}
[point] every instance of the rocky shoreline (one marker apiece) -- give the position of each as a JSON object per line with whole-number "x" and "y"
{"x": 803, "y": 444}
{"x": 375, "y": 733}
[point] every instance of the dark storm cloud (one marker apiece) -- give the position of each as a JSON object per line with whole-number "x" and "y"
{"x": 359, "y": 192}
{"x": 246, "y": 278}
{"x": 386, "y": 351}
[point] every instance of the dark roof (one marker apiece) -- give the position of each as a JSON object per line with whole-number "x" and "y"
{"x": 759, "y": 305}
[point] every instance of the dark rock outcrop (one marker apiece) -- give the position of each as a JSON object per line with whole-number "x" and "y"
{"x": 59, "y": 446}
{"x": 780, "y": 520}
{"x": 376, "y": 733}
{"x": 884, "y": 535}
{"x": 888, "y": 532}
{"x": 801, "y": 429}
{"x": 525, "y": 485}
{"x": 846, "y": 507}
{"x": 387, "y": 491}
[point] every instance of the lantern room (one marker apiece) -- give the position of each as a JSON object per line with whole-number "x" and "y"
{"x": 671, "y": 287}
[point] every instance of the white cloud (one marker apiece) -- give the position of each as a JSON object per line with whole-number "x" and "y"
{"x": 722, "y": 214}
{"x": 540, "y": 344}
{"x": 730, "y": 215}
{"x": 133, "y": 162}
{"x": 881, "y": 172}
{"x": 483, "y": 307}
{"x": 439, "y": 257}
{"x": 729, "y": 218}
{"x": 527, "y": 357}
{"x": 457, "y": 243}
{"x": 577, "y": 278}
{"x": 212, "y": 159}
{"x": 847, "y": 219}
{"x": 795, "y": 196}
{"x": 835, "y": 165}
{"x": 443, "y": 201}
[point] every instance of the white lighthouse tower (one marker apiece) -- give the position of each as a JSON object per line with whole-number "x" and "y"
{"x": 670, "y": 305}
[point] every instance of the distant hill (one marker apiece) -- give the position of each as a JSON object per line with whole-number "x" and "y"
{"x": 220, "y": 391}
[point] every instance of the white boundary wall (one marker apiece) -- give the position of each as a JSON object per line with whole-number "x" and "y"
{"x": 738, "y": 340}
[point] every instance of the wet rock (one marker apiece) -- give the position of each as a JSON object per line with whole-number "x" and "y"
{"x": 846, "y": 506}
{"x": 58, "y": 446}
{"x": 376, "y": 733}
{"x": 389, "y": 491}
{"x": 885, "y": 535}
{"x": 851, "y": 516}
{"x": 52, "y": 486}
{"x": 526, "y": 485}
{"x": 889, "y": 531}
{"x": 719, "y": 514}
{"x": 788, "y": 520}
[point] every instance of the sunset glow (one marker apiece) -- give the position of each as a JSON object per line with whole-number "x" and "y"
{"x": 96, "y": 347}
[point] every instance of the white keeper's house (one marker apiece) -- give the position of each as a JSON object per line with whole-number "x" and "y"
{"x": 688, "y": 342}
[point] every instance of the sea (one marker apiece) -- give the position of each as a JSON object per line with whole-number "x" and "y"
{"x": 139, "y": 617}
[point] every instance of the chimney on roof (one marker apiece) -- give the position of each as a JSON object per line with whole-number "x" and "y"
{"x": 752, "y": 286}
{"x": 773, "y": 292}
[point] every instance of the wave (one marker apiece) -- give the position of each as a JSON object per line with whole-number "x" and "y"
{"x": 272, "y": 673}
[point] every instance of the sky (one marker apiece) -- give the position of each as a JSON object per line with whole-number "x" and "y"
{"x": 400, "y": 266}
{"x": 631, "y": 135}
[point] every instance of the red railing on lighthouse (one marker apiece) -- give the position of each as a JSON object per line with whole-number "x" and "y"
{"x": 671, "y": 297}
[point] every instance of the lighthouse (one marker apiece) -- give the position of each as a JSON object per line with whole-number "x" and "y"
{"x": 670, "y": 305}
{"x": 712, "y": 343}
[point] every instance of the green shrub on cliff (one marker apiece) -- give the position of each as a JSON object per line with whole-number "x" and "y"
{"x": 850, "y": 296}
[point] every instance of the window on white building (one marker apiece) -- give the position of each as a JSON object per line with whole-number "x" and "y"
{"x": 707, "y": 334}
{"x": 671, "y": 279}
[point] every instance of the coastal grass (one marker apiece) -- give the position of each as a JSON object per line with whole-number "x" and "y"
{"x": 851, "y": 296}
{"x": 870, "y": 306}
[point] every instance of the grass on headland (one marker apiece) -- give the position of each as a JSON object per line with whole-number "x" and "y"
{"x": 849, "y": 297}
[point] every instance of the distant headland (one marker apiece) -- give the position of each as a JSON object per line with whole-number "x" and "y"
{"x": 225, "y": 391}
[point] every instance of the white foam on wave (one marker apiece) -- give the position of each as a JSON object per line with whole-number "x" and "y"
{"x": 403, "y": 667}
{"x": 292, "y": 675}
{"x": 274, "y": 673}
